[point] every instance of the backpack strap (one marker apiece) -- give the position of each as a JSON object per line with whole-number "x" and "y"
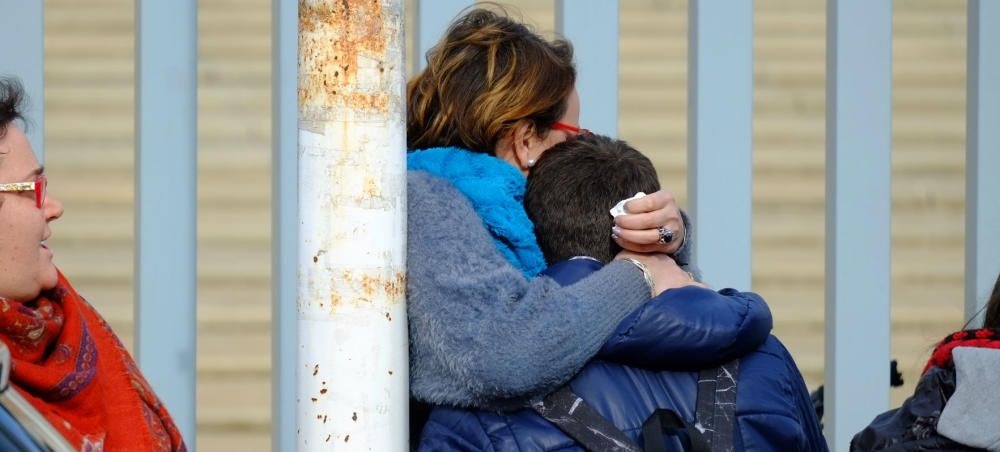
{"x": 580, "y": 421}
{"x": 716, "y": 406}
{"x": 715, "y": 410}
{"x": 712, "y": 431}
{"x": 664, "y": 419}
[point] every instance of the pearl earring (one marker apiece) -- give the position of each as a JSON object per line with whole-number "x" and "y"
{"x": 531, "y": 163}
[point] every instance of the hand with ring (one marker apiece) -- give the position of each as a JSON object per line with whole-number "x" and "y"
{"x": 666, "y": 235}
{"x": 653, "y": 224}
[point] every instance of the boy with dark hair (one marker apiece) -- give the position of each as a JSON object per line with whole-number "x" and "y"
{"x": 569, "y": 193}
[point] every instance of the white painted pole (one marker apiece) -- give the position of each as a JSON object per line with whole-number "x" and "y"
{"x": 352, "y": 358}
{"x": 858, "y": 215}
{"x": 982, "y": 208}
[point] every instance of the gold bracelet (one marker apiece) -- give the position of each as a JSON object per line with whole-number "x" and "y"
{"x": 646, "y": 274}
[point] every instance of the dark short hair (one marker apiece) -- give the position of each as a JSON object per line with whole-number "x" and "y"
{"x": 11, "y": 102}
{"x": 572, "y": 188}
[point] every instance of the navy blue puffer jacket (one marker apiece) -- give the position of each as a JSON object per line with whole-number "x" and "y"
{"x": 686, "y": 328}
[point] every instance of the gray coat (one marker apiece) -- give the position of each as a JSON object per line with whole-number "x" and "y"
{"x": 481, "y": 334}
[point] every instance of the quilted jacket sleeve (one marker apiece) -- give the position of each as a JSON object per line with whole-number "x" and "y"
{"x": 681, "y": 329}
{"x": 690, "y": 328}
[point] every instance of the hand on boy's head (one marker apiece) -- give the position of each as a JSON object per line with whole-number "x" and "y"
{"x": 639, "y": 230}
{"x": 665, "y": 271}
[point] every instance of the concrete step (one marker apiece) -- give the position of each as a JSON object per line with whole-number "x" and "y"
{"x": 225, "y": 357}
{"x": 216, "y": 262}
{"x": 791, "y": 46}
{"x": 230, "y": 100}
{"x": 776, "y": 159}
{"x": 122, "y": 124}
{"x": 234, "y": 226}
{"x": 219, "y": 73}
{"x": 795, "y": 128}
{"x": 252, "y": 417}
{"x": 769, "y": 99}
{"x": 213, "y": 440}
{"x": 236, "y": 188}
{"x": 232, "y": 71}
{"x": 800, "y": 18}
{"x": 91, "y": 21}
{"x": 121, "y": 161}
{"x": 909, "y": 264}
{"x": 243, "y": 18}
{"x": 780, "y": 229}
{"x": 798, "y": 308}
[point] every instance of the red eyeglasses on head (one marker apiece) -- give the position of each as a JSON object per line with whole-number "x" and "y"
{"x": 576, "y": 131}
{"x": 37, "y": 186}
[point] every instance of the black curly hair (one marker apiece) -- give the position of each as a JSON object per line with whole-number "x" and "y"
{"x": 11, "y": 101}
{"x": 992, "y": 319}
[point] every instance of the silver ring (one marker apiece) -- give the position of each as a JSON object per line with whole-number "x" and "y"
{"x": 666, "y": 235}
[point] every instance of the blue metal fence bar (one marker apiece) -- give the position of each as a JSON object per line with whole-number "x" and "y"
{"x": 720, "y": 138}
{"x": 982, "y": 186}
{"x": 592, "y": 27}
{"x": 284, "y": 220}
{"x": 166, "y": 202}
{"x": 858, "y": 214}
{"x": 22, "y": 29}
{"x": 433, "y": 18}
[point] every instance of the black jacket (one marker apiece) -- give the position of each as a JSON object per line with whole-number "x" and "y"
{"x": 914, "y": 425}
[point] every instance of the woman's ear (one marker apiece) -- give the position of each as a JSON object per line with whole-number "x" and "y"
{"x": 525, "y": 143}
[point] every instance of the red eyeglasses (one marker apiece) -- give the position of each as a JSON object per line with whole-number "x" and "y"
{"x": 38, "y": 186}
{"x": 576, "y": 131}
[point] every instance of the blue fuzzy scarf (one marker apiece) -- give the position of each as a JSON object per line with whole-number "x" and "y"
{"x": 496, "y": 190}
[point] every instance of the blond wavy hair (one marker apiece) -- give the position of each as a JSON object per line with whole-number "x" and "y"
{"x": 488, "y": 75}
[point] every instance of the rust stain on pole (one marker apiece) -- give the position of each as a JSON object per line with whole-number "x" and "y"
{"x": 369, "y": 287}
{"x": 333, "y": 38}
{"x": 396, "y": 287}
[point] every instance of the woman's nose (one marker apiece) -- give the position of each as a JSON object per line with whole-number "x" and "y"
{"x": 52, "y": 207}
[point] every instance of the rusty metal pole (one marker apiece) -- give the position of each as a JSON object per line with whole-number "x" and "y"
{"x": 352, "y": 359}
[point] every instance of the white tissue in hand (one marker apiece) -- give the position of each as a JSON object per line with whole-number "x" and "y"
{"x": 619, "y": 209}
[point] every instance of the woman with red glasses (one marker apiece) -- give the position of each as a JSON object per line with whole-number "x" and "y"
{"x": 486, "y": 331}
{"x": 67, "y": 363}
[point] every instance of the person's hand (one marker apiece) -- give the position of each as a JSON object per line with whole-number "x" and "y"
{"x": 639, "y": 230}
{"x": 664, "y": 270}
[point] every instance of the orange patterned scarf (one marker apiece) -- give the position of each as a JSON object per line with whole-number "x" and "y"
{"x": 70, "y": 365}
